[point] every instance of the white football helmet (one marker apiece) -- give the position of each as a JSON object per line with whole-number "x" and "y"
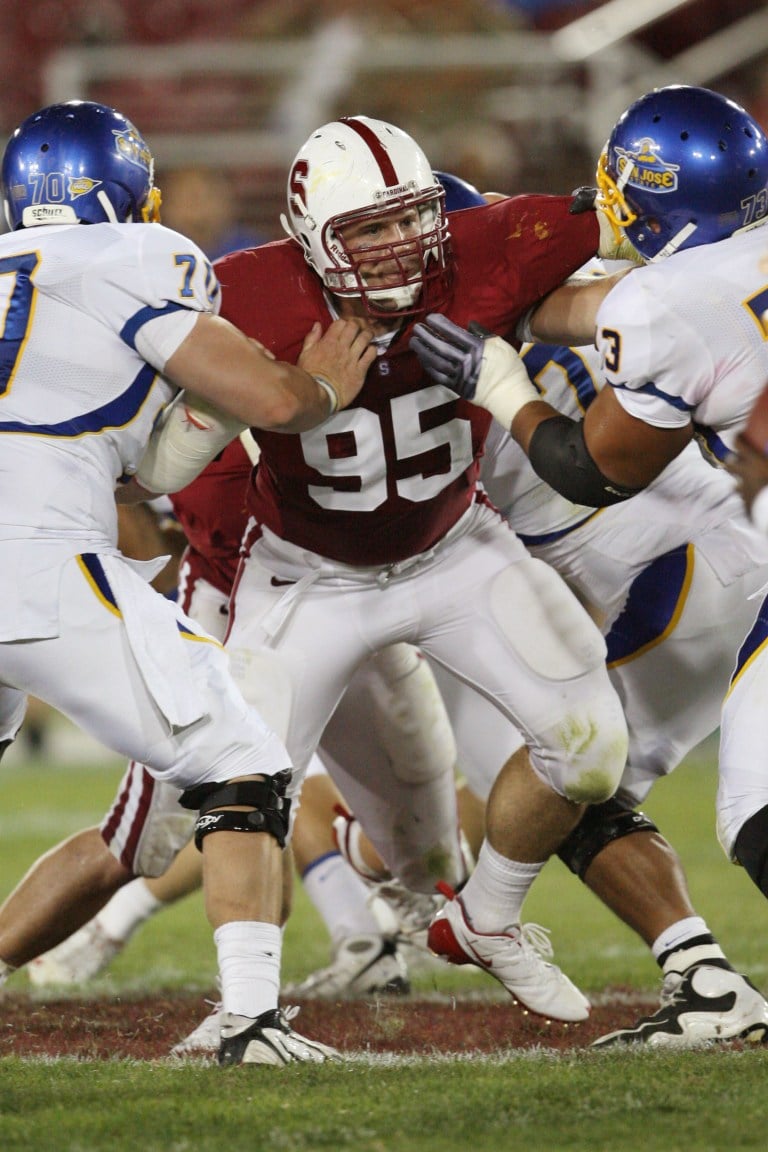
{"x": 355, "y": 169}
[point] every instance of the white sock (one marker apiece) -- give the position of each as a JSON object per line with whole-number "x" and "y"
{"x": 687, "y": 942}
{"x": 128, "y": 909}
{"x": 494, "y": 894}
{"x": 340, "y": 898}
{"x": 249, "y": 953}
{"x": 6, "y": 970}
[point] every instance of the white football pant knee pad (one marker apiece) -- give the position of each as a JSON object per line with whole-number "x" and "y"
{"x": 409, "y": 715}
{"x": 583, "y": 758}
{"x": 582, "y": 753}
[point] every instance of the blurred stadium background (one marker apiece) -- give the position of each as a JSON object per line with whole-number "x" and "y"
{"x": 511, "y": 94}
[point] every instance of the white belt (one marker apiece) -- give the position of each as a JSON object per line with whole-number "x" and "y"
{"x": 289, "y": 562}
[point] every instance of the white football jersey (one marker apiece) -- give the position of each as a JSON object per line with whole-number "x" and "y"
{"x": 568, "y": 379}
{"x": 89, "y": 315}
{"x": 689, "y": 502}
{"x": 687, "y": 339}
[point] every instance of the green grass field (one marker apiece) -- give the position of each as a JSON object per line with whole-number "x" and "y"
{"x": 712, "y": 1100}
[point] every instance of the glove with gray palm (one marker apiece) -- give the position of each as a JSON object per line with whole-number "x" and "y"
{"x": 475, "y": 364}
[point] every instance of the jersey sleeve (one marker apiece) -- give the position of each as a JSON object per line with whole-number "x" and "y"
{"x": 545, "y": 244}
{"x": 648, "y": 355}
{"x": 154, "y": 292}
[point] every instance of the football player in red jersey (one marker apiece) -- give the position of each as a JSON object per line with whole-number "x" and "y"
{"x": 373, "y": 530}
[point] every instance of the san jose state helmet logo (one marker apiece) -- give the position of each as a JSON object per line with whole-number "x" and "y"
{"x": 131, "y": 147}
{"x": 643, "y": 168}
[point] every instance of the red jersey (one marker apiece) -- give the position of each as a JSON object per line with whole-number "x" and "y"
{"x": 387, "y": 477}
{"x": 212, "y": 512}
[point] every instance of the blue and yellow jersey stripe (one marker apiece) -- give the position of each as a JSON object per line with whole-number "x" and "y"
{"x": 752, "y": 646}
{"x": 653, "y": 607}
{"x": 93, "y": 570}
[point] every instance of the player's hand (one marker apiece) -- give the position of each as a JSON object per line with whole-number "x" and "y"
{"x": 342, "y": 355}
{"x": 750, "y": 467}
{"x": 475, "y": 364}
{"x": 452, "y": 356}
{"x": 613, "y": 244}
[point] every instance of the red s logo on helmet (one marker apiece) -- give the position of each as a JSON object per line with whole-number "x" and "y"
{"x": 296, "y": 184}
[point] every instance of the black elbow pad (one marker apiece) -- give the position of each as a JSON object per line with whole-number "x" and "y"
{"x": 559, "y": 455}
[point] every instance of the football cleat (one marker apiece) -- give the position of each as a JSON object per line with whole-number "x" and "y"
{"x": 269, "y": 1039}
{"x": 206, "y": 1038}
{"x": 410, "y": 913}
{"x": 362, "y": 966}
{"x": 406, "y": 915}
{"x": 517, "y": 958}
{"x": 703, "y": 1004}
{"x": 77, "y": 959}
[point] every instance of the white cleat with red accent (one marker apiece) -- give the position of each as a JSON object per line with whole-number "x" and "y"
{"x": 518, "y": 958}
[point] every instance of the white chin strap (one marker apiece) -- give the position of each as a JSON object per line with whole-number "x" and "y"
{"x": 403, "y": 296}
{"x": 106, "y": 204}
{"x": 673, "y": 244}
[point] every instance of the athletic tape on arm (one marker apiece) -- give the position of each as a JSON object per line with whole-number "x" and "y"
{"x": 188, "y": 435}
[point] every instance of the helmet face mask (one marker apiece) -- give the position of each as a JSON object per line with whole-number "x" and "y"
{"x": 683, "y": 166}
{"x": 78, "y": 162}
{"x": 367, "y": 210}
{"x": 385, "y": 256}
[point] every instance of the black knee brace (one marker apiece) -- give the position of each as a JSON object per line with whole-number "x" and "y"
{"x": 599, "y": 826}
{"x": 269, "y": 808}
{"x": 751, "y": 848}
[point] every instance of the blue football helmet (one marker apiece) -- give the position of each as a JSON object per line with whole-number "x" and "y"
{"x": 459, "y": 193}
{"x": 683, "y": 166}
{"x": 78, "y": 162}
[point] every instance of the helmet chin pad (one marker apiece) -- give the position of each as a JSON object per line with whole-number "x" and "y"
{"x": 394, "y": 301}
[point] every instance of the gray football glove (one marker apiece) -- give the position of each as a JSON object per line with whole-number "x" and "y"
{"x": 453, "y": 356}
{"x": 475, "y": 364}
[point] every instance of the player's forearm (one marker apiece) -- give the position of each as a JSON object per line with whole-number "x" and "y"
{"x": 220, "y": 366}
{"x": 299, "y": 401}
{"x": 568, "y": 315}
{"x": 191, "y": 432}
{"x": 527, "y": 421}
{"x": 241, "y": 379}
